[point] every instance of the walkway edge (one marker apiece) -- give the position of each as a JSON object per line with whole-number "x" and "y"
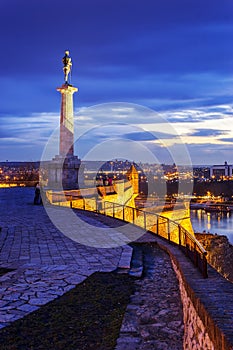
{"x": 210, "y": 298}
{"x": 126, "y": 256}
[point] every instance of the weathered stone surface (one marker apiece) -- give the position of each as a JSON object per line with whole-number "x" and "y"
{"x": 151, "y": 308}
{"x": 27, "y": 234}
{"x": 76, "y": 279}
{"x": 39, "y": 301}
{"x": 47, "y": 263}
{"x": 5, "y": 317}
{"x": 27, "y": 308}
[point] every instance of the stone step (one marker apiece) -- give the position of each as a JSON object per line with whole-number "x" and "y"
{"x": 137, "y": 262}
{"x": 131, "y": 261}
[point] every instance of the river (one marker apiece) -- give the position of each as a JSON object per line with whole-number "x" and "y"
{"x": 221, "y": 224}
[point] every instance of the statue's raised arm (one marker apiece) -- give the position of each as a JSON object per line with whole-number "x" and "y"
{"x": 67, "y": 66}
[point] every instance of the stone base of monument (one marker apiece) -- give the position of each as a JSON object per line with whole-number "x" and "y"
{"x": 65, "y": 173}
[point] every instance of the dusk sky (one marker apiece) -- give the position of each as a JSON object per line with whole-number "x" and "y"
{"x": 174, "y": 57}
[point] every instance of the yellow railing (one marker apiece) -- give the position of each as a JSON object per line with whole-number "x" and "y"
{"x": 160, "y": 225}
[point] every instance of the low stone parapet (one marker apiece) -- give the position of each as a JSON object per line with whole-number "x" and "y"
{"x": 207, "y": 304}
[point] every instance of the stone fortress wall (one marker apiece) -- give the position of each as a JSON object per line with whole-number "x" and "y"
{"x": 207, "y": 304}
{"x": 201, "y": 330}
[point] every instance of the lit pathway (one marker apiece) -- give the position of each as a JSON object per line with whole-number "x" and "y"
{"x": 47, "y": 263}
{"x": 154, "y": 315}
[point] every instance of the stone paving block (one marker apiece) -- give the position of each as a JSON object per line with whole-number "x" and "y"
{"x": 17, "y": 314}
{"x": 3, "y": 303}
{"x": 128, "y": 343}
{"x": 129, "y": 328}
{"x": 39, "y": 301}
{"x": 126, "y": 257}
{"x": 12, "y": 305}
{"x": 5, "y": 317}
{"x": 24, "y": 297}
{"x": 76, "y": 279}
{"x": 69, "y": 287}
{"x": 2, "y": 325}
{"x": 27, "y": 308}
{"x": 60, "y": 283}
{"x": 11, "y": 296}
{"x": 2, "y": 290}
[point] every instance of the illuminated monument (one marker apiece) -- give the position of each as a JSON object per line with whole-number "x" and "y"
{"x": 64, "y": 168}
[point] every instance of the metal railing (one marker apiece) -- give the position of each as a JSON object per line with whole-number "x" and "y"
{"x": 160, "y": 225}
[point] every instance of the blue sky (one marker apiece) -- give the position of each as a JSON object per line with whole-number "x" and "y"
{"x": 174, "y": 57}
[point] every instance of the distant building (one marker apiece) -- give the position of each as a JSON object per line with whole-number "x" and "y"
{"x": 133, "y": 177}
{"x": 201, "y": 173}
{"x": 219, "y": 171}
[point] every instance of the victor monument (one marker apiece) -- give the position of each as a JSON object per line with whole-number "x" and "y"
{"x": 63, "y": 170}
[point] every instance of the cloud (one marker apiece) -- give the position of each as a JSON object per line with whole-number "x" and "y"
{"x": 148, "y": 136}
{"x": 129, "y": 122}
{"x": 227, "y": 139}
{"x": 208, "y": 132}
{"x": 199, "y": 114}
{"x": 138, "y": 114}
{"x": 210, "y": 153}
{"x": 174, "y": 57}
{"x": 157, "y": 90}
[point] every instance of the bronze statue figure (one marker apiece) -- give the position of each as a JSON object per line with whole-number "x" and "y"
{"x": 67, "y": 66}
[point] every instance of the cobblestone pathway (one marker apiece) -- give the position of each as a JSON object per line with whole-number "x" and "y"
{"x": 47, "y": 264}
{"x": 154, "y": 316}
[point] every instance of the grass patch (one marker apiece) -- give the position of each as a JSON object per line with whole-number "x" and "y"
{"x": 87, "y": 317}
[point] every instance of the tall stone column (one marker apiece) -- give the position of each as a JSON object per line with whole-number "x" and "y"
{"x": 64, "y": 169}
{"x": 66, "y": 147}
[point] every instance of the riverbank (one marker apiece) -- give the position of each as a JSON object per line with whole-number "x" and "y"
{"x": 220, "y": 224}
{"x": 220, "y": 253}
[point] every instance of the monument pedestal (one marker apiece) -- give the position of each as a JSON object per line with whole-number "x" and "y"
{"x": 64, "y": 173}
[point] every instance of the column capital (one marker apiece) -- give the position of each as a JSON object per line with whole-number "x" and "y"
{"x": 67, "y": 89}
